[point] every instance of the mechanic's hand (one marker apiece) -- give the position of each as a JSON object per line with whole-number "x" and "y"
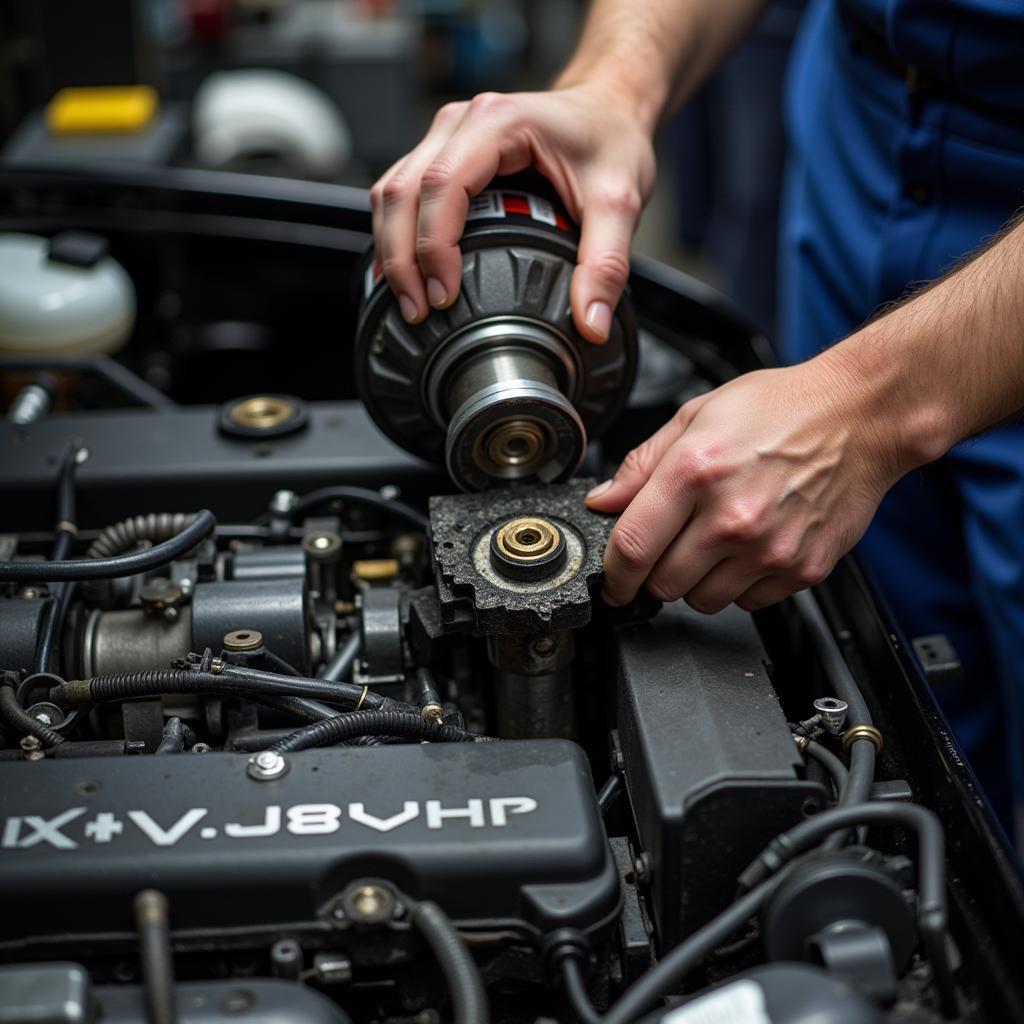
{"x": 749, "y": 493}
{"x": 583, "y": 138}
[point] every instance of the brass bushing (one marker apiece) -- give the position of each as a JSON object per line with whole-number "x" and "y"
{"x": 863, "y": 732}
{"x": 527, "y": 548}
{"x": 513, "y": 443}
{"x": 242, "y": 640}
{"x": 262, "y": 412}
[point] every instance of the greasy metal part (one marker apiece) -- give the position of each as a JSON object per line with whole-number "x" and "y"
{"x": 243, "y": 640}
{"x": 431, "y": 708}
{"x": 533, "y": 691}
{"x": 472, "y": 593}
{"x": 501, "y": 390}
{"x": 130, "y": 640}
{"x": 31, "y": 748}
{"x": 151, "y": 920}
{"x": 500, "y": 385}
{"x": 863, "y": 732}
{"x": 833, "y": 712}
{"x": 323, "y": 547}
{"x": 528, "y": 548}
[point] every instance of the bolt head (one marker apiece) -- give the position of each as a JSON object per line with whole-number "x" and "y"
{"x": 267, "y": 764}
{"x": 283, "y": 501}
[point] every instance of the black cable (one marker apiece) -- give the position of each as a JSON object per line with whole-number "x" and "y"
{"x": 609, "y": 793}
{"x": 21, "y": 720}
{"x": 124, "y": 565}
{"x": 366, "y": 723}
{"x": 175, "y": 737}
{"x": 157, "y": 682}
{"x": 677, "y": 963}
{"x": 360, "y": 496}
{"x": 336, "y": 691}
{"x": 465, "y": 983}
{"x": 576, "y": 989}
{"x": 65, "y": 530}
{"x": 831, "y": 764}
{"x": 344, "y": 658}
{"x": 155, "y": 953}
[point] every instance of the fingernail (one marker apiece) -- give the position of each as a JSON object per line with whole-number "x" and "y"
{"x": 408, "y": 308}
{"x": 596, "y": 492}
{"x": 599, "y": 318}
{"x": 436, "y": 293}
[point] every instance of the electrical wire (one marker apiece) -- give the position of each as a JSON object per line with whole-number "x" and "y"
{"x": 367, "y": 723}
{"x": 465, "y": 983}
{"x": 360, "y": 496}
{"x": 576, "y": 991}
{"x": 123, "y": 565}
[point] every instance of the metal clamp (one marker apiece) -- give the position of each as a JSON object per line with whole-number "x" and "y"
{"x": 863, "y": 732}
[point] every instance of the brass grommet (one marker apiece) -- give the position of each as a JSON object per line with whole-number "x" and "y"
{"x": 863, "y": 732}
{"x": 242, "y": 640}
{"x": 262, "y": 412}
{"x": 528, "y": 539}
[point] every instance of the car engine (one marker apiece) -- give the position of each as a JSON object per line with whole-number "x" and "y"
{"x": 310, "y": 710}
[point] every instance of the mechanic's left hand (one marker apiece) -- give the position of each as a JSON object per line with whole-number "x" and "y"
{"x": 750, "y": 492}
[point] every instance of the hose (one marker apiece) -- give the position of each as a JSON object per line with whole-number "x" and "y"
{"x": 831, "y": 764}
{"x": 201, "y": 525}
{"x": 677, "y": 963}
{"x": 360, "y": 697}
{"x": 125, "y": 536}
{"x": 65, "y": 531}
{"x": 366, "y": 723}
{"x": 155, "y": 953}
{"x": 341, "y": 664}
{"x": 576, "y": 991}
{"x": 360, "y": 496}
{"x": 21, "y": 720}
{"x": 176, "y": 734}
{"x": 157, "y": 682}
{"x": 465, "y": 984}
{"x": 764, "y": 876}
{"x": 861, "y": 774}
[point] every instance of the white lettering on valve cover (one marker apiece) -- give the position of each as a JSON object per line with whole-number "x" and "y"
{"x": 21, "y": 832}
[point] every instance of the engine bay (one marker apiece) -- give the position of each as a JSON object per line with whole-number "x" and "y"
{"x": 296, "y": 730}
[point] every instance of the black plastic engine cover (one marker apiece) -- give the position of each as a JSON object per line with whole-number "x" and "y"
{"x": 499, "y": 834}
{"x": 711, "y": 768}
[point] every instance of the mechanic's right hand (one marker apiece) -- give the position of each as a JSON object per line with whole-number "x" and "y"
{"x": 583, "y": 138}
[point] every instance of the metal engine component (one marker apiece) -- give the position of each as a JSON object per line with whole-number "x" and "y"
{"x": 533, "y": 692}
{"x": 503, "y": 835}
{"x": 522, "y": 560}
{"x": 500, "y": 386}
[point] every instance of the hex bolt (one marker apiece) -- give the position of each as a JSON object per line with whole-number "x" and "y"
{"x": 267, "y": 764}
{"x": 368, "y": 903}
{"x": 31, "y": 748}
{"x": 833, "y": 713}
{"x": 283, "y": 502}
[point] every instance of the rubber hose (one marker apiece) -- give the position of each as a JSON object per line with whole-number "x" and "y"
{"x": 24, "y": 722}
{"x": 465, "y": 983}
{"x": 361, "y": 496}
{"x": 122, "y": 537}
{"x": 576, "y": 991}
{"x": 201, "y": 525}
{"x": 157, "y": 682}
{"x": 830, "y": 763}
{"x": 326, "y": 689}
{"x": 366, "y": 723}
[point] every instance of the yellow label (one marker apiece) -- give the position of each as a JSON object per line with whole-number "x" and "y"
{"x": 102, "y": 109}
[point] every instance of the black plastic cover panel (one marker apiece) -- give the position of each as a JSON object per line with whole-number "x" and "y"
{"x": 711, "y": 768}
{"x": 502, "y": 834}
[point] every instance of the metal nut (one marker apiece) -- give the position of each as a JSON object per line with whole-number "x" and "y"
{"x": 267, "y": 764}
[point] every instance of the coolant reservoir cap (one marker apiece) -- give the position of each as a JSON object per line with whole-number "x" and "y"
{"x": 55, "y": 306}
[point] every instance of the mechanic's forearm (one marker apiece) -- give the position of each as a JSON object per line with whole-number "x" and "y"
{"x": 947, "y": 363}
{"x": 656, "y": 52}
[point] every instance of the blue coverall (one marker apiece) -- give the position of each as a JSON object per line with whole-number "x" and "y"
{"x": 887, "y": 187}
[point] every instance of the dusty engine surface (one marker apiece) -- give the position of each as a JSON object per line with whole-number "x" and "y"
{"x": 294, "y": 731}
